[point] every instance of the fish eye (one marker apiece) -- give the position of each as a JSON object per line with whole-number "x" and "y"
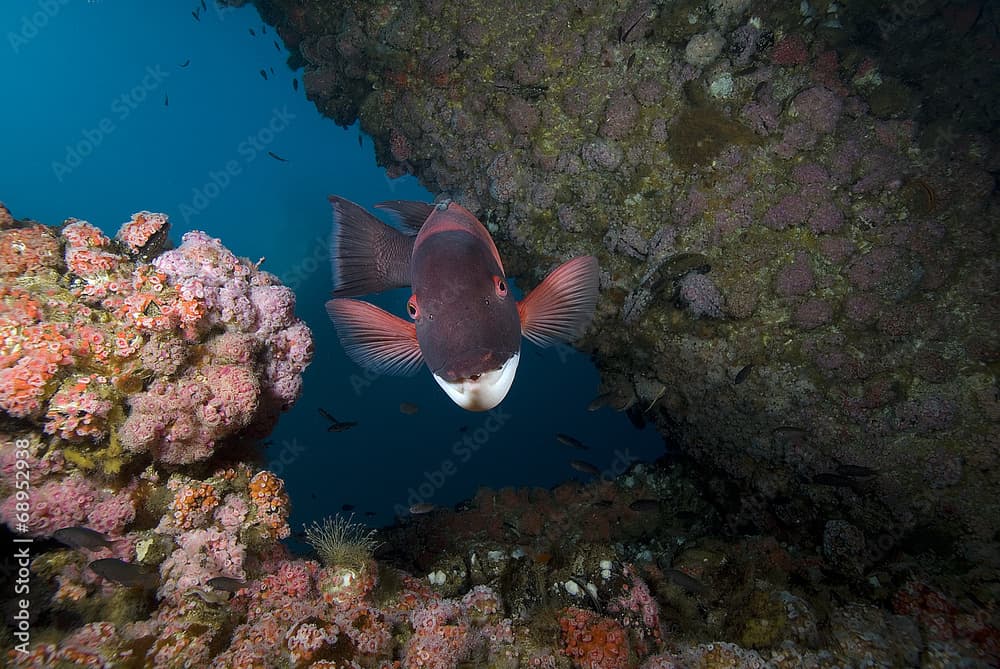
{"x": 500, "y": 285}
{"x": 411, "y": 306}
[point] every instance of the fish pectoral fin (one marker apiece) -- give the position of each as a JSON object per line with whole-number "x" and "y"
{"x": 411, "y": 214}
{"x": 376, "y": 339}
{"x": 368, "y": 256}
{"x": 561, "y": 307}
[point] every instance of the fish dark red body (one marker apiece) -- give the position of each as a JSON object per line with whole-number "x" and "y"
{"x": 467, "y": 326}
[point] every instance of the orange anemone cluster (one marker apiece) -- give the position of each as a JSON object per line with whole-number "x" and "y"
{"x": 192, "y": 504}
{"x": 28, "y": 250}
{"x": 267, "y": 492}
{"x": 137, "y": 233}
{"x": 30, "y": 357}
{"x": 78, "y": 410}
{"x": 592, "y": 641}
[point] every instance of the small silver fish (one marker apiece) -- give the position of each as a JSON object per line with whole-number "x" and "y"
{"x": 82, "y": 537}
{"x": 644, "y": 505}
{"x": 226, "y": 583}
{"x": 209, "y": 597}
{"x": 585, "y": 467}
{"x": 125, "y": 573}
{"x": 599, "y": 402}
{"x": 570, "y": 441}
{"x": 856, "y": 471}
{"x": 421, "y": 508}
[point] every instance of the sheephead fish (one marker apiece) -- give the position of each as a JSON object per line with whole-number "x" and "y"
{"x": 465, "y": 324}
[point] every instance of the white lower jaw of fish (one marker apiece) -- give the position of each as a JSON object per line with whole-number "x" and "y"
{"x": 484, "y": 392}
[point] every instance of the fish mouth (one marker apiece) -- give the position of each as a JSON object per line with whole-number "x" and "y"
{"x": 481, "y": 392}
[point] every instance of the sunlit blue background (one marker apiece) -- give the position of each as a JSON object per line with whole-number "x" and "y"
{"x": 88, "y": 133}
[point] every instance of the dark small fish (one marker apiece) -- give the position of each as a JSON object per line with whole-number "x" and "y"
{"x": 252, "y": 32}
{"x": 342, "y": 426}
{"x": 263, "y": 29}
{"x": 463, "y": 429}
{"x": 195, "y": 15}
{"x": 630, "y": 62}
{"x": 347, "y": 507}
{"x": 599, "y": 401}
{"x": 185, "y": 63}
{"x": 82, "y": 537}
{"x": 124, "y": 573}
{"x": 742, "y": 375}
{"x": 166, "y": 100}
{"x": 263, "y": 73}
{"x": 570, "y": 441}
{"x": 789, "y": 433}
{"x": 585, "y": 467}
{"x": 277, "y": 157}
{"x": 203, "y": 7}
{"x": 272, "y": 71}
{"x": 856, "y": 471}
{"x": 408, "y": 408}
{"x": 421, "y": 508}
{"x": 361, "y": 141}
{"x": 370, "y": 514}
{"x": 604, "y": 503}
{"x": 337, "y": 425}
{"x": 295, "y": 84}
{"x": 831, "y": 479}
{"x": 226, "y": 583}
{"x": 644, "y": 505}
{"x": 277, "y": 46}
{"x": 685, "y": 581}
{"x": 209, "y": 597}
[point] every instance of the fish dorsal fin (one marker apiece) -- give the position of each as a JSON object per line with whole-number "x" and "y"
{"x": 367, "y": 255}
{"x": 561, "y": 307}
{"x": 411, "y": 214}
{"x": 374, "y": 338}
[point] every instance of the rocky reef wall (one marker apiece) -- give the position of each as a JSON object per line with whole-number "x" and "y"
{"x": 795, "y": 213}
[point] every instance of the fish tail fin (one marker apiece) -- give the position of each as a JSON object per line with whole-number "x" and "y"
{"x": 367, "y": 255}
{"x": 562, "y": 305}
{"x": 374, "y": 338}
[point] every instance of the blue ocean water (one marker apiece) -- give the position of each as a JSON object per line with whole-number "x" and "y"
{"x": 111, "y": 107}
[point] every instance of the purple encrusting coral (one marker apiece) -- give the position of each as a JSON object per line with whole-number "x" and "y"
{"x": 700, "y": 296}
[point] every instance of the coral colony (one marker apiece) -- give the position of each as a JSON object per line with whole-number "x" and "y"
{"x": 797, "y": 237}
